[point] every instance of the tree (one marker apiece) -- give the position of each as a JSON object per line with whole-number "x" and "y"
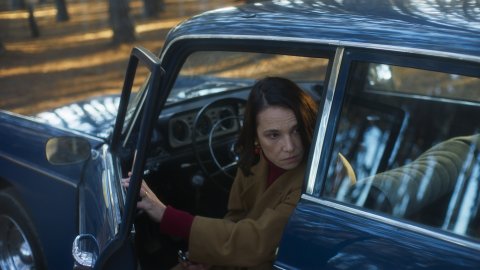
{"x": 32, "y": 22}
{"x": 120, "y": 21}
{"x": 2, "y": 48}
{"x": 151, "y": 8}
{"x": 62, "y": 13}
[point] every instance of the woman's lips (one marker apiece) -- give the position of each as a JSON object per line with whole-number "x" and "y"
{"x": 290, "y": 159}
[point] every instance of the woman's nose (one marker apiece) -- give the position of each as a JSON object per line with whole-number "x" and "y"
{"x": 288, "y": 144}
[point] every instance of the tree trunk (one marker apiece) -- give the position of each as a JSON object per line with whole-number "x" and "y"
{"x": 32, "y": 22}
{"x": 62, "y": 13}
{"x": 2, "y": 47}
{"x": 120, "y": 21}
{"x": 151, "y": 8}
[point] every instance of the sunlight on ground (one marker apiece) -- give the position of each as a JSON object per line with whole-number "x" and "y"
{"x": 81, "y": 13}
{"x": 73, "y": 62}
{"x": 75, "y": 59}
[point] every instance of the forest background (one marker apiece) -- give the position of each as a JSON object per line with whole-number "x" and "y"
{"x": 53, "y": 52}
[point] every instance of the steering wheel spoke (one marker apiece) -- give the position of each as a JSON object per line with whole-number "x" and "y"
{"x": 226, "y": 125}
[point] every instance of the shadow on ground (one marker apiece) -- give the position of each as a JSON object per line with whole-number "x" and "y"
{"x": 75, "y": 60}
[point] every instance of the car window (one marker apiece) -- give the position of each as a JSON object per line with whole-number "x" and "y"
{"x": 137, "y": 97}
{"x": 210, "y": 72}
{"x": 395, "y": 79}
{"x": 407, "y": 145}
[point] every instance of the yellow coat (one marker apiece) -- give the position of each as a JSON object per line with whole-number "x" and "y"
{"x": 249, "y": 234}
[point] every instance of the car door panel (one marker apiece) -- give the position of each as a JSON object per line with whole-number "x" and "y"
{"x": 336, "y": 239}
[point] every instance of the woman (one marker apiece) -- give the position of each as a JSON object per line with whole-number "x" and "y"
{"x": 273, "y": 145}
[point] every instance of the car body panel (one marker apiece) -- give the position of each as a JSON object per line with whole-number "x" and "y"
{"x": 405, "y": 25}
{"x": 48, "y": 192}
{"x": 332, "y": 238}
{"x": 94, "y": 116}
{"x": 95, "y": 196}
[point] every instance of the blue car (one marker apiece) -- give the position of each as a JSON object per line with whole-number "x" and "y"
{"x": 393, "y": 174}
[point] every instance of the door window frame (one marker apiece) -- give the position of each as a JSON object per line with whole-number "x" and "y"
{"x": 335, "y": 95}
{"x": 327, "y": 125}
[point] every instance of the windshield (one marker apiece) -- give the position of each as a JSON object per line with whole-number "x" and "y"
{"x": 209, "y": 72}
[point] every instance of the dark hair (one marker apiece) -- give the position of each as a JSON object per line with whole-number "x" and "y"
{"x": 274, "y": 91}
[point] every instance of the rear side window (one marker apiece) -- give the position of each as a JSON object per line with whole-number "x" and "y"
{"x": 407, "y": 145}
{"x": 427, "y": 83}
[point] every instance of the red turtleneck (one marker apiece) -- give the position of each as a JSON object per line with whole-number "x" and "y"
{"x": 178, "y": 223}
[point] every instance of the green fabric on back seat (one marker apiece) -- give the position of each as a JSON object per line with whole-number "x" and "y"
{"x": 411, "y": 187}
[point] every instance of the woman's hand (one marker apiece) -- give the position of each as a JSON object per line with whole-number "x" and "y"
{"x": 148, "y": 201}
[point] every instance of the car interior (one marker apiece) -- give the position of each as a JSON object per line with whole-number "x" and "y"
{"x": 191, "y": 160}
{"x": 192, "y": 164}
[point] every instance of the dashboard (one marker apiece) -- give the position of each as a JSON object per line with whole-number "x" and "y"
{"x": 181, "y": 126}
{"x": 175, "y": 136}
{"x": 172, "y": 138}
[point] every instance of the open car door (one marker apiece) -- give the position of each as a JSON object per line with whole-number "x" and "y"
{"x": 106, "y": 210}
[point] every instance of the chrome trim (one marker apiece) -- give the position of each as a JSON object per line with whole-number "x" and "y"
{"x": 338, "y": 43}
{"x": 84, "y": 259}
{"x": 109, "y": 194}
{"x": 322, "y": 130}
{"x": 112, "y": 202}
{"x": 393, "y": 222}
{"x": 16, "y": 251}
{"x": 34, "y": 168}
{"x": 427, "y": 98}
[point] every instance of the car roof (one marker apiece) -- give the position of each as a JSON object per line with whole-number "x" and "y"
{"x": 413, "y": 26}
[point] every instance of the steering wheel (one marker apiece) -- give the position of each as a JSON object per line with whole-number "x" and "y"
{"x": 217, "y": 118}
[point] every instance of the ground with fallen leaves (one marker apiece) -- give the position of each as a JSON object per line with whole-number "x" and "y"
{"x": 75, "y": 60}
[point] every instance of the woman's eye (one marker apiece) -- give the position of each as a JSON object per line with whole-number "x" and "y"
{"x": 273, "y": 135}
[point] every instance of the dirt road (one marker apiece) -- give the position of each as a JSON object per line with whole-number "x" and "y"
{"x": 75, "y": 59}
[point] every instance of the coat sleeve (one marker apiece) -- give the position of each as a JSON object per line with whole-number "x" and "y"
{"x": 245, "y": 243}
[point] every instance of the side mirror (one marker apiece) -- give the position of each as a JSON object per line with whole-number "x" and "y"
{"x": 67, "y": 150}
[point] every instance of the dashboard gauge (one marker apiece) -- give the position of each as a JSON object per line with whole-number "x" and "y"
{"x": 180, "y": 130}
{"x": 203, "y": 126}
{"x": 180, "y": 126}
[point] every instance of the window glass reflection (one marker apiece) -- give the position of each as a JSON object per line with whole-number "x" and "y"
{"x": 407, "y": 146}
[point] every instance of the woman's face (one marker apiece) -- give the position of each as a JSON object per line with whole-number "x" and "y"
{"x": 279, "y": 137}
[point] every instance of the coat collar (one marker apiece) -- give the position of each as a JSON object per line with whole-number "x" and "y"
{"x": 289, "y": 179}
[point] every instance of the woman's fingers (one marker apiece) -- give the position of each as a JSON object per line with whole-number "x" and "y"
{"x": 125, "y": 182}
{"x": 148, "y": 200}
{"x": 145, "y": 187}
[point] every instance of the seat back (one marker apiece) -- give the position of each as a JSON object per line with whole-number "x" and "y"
{"x": 405, "y": 190}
